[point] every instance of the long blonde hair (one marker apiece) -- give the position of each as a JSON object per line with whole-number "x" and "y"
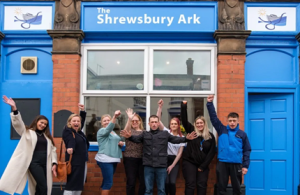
{"x": 70, "y": 118}
{"x": 205, "y": 133}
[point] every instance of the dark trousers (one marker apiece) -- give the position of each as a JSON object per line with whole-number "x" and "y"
{"x": 37, "y": 169}
{"x": 194, "y": 178}
{"x": 224, "y": 170}
{"x": 170, "y": 187}
{"x": 134, "y": 169}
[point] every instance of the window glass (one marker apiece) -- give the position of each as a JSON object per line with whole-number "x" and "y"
{"x": 98, "y": 106}
{"x": 196, "y": 106}
{"x": 182, "y": 70}
{"x": 115, "y": 70}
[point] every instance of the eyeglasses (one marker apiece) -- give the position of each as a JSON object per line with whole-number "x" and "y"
{"x": 135, "y": 121}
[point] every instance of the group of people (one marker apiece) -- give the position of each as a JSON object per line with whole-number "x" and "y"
{"x": 148, "y": 156}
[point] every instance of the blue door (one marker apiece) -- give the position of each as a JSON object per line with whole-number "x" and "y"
{"x": 270, "y": 129}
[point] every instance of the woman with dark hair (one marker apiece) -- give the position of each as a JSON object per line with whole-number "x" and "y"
{"x": 174, "y": 151}
{"x": 34, "y": 157}
{"x": 133, "y": 155}
{"x": 77, "y": 145}
{"x": 198, "y": 154}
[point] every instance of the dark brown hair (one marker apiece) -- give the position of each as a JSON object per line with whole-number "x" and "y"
{"x": 153, "y": 116}
{"x": 233, "y": 115}
{"x": 33, "y": 127}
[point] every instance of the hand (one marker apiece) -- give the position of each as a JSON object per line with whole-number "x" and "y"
{"x": 210, "y": 98}
{"x": 70, "y": 150}
{"x": 125, "y": 133}
{"x": 160, "y": 103}
{"x": 81, "y": 107}
{"x": 244, "y": 171}
{"x": 169, "y": 169}
{"x": 184, "y": 102}
{"x": 200, "y": 170}
{"x": 54, "y": 170}
{"x": 191, "y": 136}
{"x": 121, "y": 144}
{"x": 117, "y": 113}
{"x": 130, "y": 113}
{"x": 10, "y": 102}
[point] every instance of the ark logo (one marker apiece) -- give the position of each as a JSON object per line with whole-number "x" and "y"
{"x": 271, "y": 20}
{"x": 104, "y": 18}
{"x": 28, "y": 19}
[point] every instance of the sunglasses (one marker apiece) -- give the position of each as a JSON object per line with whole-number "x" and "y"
{"x": 135, "y": 121}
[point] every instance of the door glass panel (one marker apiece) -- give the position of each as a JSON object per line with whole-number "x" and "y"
{"x": 182, "y": 70}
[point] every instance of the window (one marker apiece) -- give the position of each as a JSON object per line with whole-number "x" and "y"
{"x": 121, "y": 76}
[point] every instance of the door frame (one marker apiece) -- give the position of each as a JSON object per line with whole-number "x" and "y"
{"x": 295, "y": 92}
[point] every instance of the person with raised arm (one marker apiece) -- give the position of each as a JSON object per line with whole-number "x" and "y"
{"x": 174, "y": 151}
{"x": 233, "y": 150}
{"x": 133, "y": 161}
{"x": 77, "y": 145}
{"x": 198, "y": 154}
{"x": 155, "y": 156}
{"x": 34, "y": 157}
{"x": 109, "y": 153}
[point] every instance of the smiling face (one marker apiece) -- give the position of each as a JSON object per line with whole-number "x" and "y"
{"x": 75, "y": 123}
{"x": 135, "y": 123}
{"x": 174, "y": 125}
{"x": 199, "y": 124}
{"x": 41, "y": 124}
{"x": 105, "y": 121}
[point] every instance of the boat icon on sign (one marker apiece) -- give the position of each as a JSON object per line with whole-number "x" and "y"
{"x": 29, "y": 19}
{"x": 273, "y": 20}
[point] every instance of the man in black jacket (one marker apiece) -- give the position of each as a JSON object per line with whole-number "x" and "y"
{"x": 155, "y": 156}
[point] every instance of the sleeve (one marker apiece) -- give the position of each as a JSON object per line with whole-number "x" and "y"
{"x": 166, "y": 129}
{"x": 214, "y": 118}
{"x": 54, "y": 155}
{"x": 104, "y": 132}
{"x": 68, "y": 139}
{"x": 137, "y": 138}
{"x": 176, "y": 140}
{"x": 18, "y": 123}
{"x": 210, "y": 155}
{"x": 83, "y": 116}
{"x": 184, "y": 119}
{"x": 246, "y": 152}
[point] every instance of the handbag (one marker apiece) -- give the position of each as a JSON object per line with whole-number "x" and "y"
{"x": 64, "y": 168}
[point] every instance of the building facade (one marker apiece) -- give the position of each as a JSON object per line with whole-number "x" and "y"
{"x": 122, "y": 54}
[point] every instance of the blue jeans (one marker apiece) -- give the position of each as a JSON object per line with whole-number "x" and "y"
{"x": 108, "y": 170}
{"x": 160, "y": 175}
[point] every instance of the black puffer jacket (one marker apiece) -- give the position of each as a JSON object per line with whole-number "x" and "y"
{"x": 155, "y": 146}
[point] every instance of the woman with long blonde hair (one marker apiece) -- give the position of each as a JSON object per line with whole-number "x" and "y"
{"x": 77, "y": 145}
{"x": 133, "y": 155}
{"x": 198, "y": 154}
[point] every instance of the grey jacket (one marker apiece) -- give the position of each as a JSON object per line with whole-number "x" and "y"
{"x": 155, "y": 146}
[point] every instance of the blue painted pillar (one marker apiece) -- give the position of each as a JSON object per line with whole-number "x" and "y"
{"x": 298, "y": 39}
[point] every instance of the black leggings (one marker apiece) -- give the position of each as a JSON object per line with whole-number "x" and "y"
{"x": 170, "y": 187}
{"x": 37, "y": 169}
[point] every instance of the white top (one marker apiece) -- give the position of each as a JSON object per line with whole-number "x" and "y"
{"x": 105, "y": 158}
{"x": 173, "y": 148}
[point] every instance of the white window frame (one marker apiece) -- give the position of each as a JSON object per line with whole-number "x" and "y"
{"x": 148, "y": 91}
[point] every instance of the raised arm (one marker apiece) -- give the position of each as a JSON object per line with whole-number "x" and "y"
{"x": 210, "y": 155}
{"x": 213, "y": 115}
{"x": 158, "y": 113}
{"x": 82, "y": 115}
{"x": 184, "y": 118}
{"x": 130, "y": 115}
{"x": 104, "y": 132}
{"x": 15, "y": 116}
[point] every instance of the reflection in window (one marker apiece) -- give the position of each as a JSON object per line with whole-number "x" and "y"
{"x": 182, "y": 70}
{"x": 98, "y": 106}
{"x": 196, "y": 106}
{"x": 115, "y": 70}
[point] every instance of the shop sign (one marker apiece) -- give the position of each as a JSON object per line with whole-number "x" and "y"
{"x": 271, "y": 18}
{"x": 27, "y": 17}
{"x": 185, "y": 19}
